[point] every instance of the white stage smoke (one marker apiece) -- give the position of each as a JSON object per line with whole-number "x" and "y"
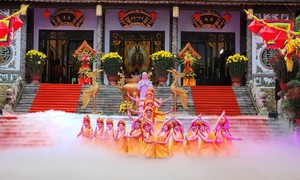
{"x": 69, "y": 158}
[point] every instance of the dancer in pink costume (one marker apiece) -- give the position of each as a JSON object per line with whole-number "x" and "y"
{"x": 109, "y": 134}
{"x": 206, "y": 148}
{"x": 227, "y": 144}
{"x": 135, "y": 138}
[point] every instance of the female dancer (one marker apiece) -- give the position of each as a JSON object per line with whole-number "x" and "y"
{"x": 192, "y": 136}
{"x": 162, "y": 141}
{"x": 86, "y": 130}
{"x": 120, "y": 137}
{"x": 135, "y": 138}
{"x": 99, "y": 130}
{"x": 227, "y": 144}
{"x": 109, "y": 134}
{"x": 177, "y": 142}
{"x": 148, "y": 145}
{"x": 206, "y": 145}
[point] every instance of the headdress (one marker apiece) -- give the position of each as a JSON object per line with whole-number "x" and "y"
{"x": 148, "y": 108}
{"x": 87, "y": 118}
{"x": 100, "y": 120}
{"x": 150, "y": 101}
{"x": 121, "y": 121}
{"x": 109, "y": 121}
{"x": 176, "y": 122}
{"x": 150, "y": 91}
{"x": 169, "y": 124}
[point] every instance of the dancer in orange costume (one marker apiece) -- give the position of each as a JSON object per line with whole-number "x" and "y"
{"x": 135, "y": 138}
{"x": 86, "y": 130}
{"x": 162, "y": 141}
{"x": 177, "y": 142}
{"x": 150, "y": 114}
{"x": 121, "y": 140}
{"x": 227, "y": 144}
{"x": 99, "y": 130}
{"x": 148, "y": 144}
{"x": 207, "y": 142}
{"x": 109, "y": 134}
{"x": 191, "y": 147}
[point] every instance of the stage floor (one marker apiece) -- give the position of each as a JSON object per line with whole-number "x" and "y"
{"x": 69, "y": 158}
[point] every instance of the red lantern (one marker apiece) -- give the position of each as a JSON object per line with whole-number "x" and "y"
{"x": 16, "y": 23}
{"x": 197, "y": 15}
{"x": 267, "y": 33}
{"x": 46, "y": 13}
{"x": 255, "y": 26}
{"x": 78, "y": 14}
{"x": 227, "y": 16}
{"x": 153, "y": 15}
{"x": 280, "y": 39}
{"x": 121, "y": 14}
{"x": 4, "y": 30}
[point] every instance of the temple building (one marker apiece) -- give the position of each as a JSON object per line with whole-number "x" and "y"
{"x": 137, "y": 28}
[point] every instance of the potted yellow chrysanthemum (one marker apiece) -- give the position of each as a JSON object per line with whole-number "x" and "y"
{"x": 236, "y": 65}
{"x": 35, "y": 61}
{"x": 112, "y": 62}
{"x": 162, "y": 61}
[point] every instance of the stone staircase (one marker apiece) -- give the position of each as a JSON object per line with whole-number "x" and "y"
{"x": 109, "y": 99}
{"x": 244, "y": 101}
{"x": 26, "y": 98}
{"x": 18, "y": 133}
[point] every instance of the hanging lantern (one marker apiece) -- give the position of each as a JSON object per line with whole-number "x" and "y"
{"x": 153, "y": 15}
{"x": 267, "y": 33}
{"x": 280, "y": 39}
{"x": 4, "y": 30}
{"x": 46, "y": 13}
{"x": 227, "y": 16}
{"x": 255, "y": 26}
{"x": 16, "y": 23}
{"x": 78, "y": 14}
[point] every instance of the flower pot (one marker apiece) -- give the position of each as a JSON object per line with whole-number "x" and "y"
{"x": 112, "y": 80}
{"x": 162, "y": 80}
{"x": 35, "y": 78}
{"x": 283, "y": 86}
{"x": 236, "y": 81}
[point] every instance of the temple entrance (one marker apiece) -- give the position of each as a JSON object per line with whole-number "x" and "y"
{"x": 135, "y": 47}
{"x": 59, "y": 46}
{"x": 214, "y": 48}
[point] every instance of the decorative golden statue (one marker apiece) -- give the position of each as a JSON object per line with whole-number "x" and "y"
{"x": 93, "y": 90}
{"x": 177, "y": 91}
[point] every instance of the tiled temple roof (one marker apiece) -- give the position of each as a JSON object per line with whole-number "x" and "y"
{"x": 198, "y": 2}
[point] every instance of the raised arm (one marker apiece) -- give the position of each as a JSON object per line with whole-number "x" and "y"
{"x": 228, "y": 136}
{"x": 176, "y": 139}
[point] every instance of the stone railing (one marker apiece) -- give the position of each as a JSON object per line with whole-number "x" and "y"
{"x": 264, "y": 98}
{"x": 12, "y": 94}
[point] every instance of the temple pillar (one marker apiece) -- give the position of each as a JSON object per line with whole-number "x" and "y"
{"x": 99, "y": 47}
{"x": 249, "y": 50}
{"x": 23, "y": 48}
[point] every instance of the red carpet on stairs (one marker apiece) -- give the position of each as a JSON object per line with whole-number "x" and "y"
{"x": 212, "y": 100}
{"x": 64, "y": 97}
